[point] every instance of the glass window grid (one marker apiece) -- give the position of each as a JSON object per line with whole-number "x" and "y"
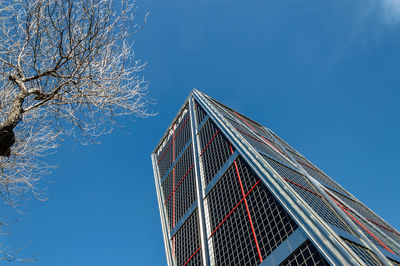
{"x": 223, "y": 109}
{"x": 223, "y": 197}
{"x": 167, "y": 189}
{"x": 246, "y": 125}
{"x": 283, "y": 143}
{"x": 165, "y": 159}
{"x": 169, "y": 210}
{"x": 185, "y": 188}
{"x": 214, "y": 151}
{"x": 185, "y": 184}
{"x": 368, "y": 214}
{"x": 182, "y": 134}
{"x": 200, "y": 114}
{"x": 286, "y": 146}
{"x": 308, "y": 192}
{"x": 257, "y": 143}
{"x": 252, "y": 125}
{"x": 255, "y": 127}
{"x": 313, "y": 171}
{"x": 187, "y": 241}
{"x": 271, "y": 223}
{"x": 178, "y": 139}
{"x": 233, "y": 242}
{"x": 167, "y": 186}
{"x": 256, "y": 136}
{"x": 195, "y": 260}
{"x": 372, "y": 230}
{"x": 305, "y": 255}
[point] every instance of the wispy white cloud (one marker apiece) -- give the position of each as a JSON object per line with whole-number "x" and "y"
{"x": 391, "y": 11}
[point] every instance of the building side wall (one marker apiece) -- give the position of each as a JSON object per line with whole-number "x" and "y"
{"x": 231, "y": 192}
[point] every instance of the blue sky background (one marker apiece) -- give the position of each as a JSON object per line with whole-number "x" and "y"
{"x": 324, "y": 75}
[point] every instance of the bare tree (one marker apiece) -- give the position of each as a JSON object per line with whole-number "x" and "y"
{"x": 67, "y": 68}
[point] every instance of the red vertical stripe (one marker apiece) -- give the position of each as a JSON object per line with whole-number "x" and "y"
{"x": 247, "y": 207}
{"x": 174, "y": 137}
{"x": 180, "y": 182}
{"x": 234, "y": 208}
{"x": 173, "y": 185}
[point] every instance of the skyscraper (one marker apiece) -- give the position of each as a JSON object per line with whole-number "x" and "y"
{"x": 231, "y": 192}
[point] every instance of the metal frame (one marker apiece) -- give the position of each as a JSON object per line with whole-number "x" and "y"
{"x": 164, "y": 226}
{"x": 200, "y": 191}
{"x": 159, "y": 180}
{"x": 336, "y": 253}
{"x": 176, "y": 161}
{"x": 318, "y": 186}
{"x": 286, "y": 248}
{"x": 181, "y": 221}
{"x": 326, "y": 237}
{"x": 220, "y": 173}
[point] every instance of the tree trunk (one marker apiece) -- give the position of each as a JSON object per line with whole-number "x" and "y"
{"x": 7, "y": 137}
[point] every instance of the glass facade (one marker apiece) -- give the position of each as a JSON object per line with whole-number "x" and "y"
{"x": 231, "y": 192}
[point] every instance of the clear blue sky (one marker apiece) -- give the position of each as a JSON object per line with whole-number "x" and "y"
{"x": 324, "y": 75}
